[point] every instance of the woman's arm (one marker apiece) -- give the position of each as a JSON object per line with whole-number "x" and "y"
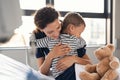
{"x": 68, "y": 61}
{"x": 40, "y": 61}
{"x": 84, "y": 60}
{"x": 44, "y": 64}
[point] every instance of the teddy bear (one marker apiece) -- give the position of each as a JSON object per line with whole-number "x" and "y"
{"x": 105, "y": 68}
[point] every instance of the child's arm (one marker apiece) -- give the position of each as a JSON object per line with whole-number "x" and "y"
{"x": 42, "y": 42}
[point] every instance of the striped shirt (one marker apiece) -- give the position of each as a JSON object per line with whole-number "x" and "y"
{"x": 74, "y": 43}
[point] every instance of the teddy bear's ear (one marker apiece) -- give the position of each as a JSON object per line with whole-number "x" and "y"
{"x": 111, "y": 46}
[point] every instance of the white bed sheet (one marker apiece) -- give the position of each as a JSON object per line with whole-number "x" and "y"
{"x": 11, "y": 69}
{"x": 78, "y": 68}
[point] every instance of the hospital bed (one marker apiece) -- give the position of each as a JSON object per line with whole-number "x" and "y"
{"x": 11, "y": 69}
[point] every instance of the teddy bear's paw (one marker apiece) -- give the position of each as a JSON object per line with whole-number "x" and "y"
{"x": 89, "y": 76}
{"x": 110, "y": 75}
{"x": 90, "y": 68}
{"x": 114, "y": 64}
{"x": 84, "y": 75}
{"x": 104, "y": 79}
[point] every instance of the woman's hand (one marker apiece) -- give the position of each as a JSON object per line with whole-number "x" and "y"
{"x": 60, "y": 50}
{"x": 65, "y": 62}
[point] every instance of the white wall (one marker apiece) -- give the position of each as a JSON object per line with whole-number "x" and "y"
{"x": 17, "y": 54}
{"x": 116, "y": 26}
{"x": 10, "y": 17}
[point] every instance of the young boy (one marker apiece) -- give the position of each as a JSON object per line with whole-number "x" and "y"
{"x": 72, "y": 27}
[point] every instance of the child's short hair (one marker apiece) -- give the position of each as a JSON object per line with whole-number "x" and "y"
{"x": 72, "y": 18}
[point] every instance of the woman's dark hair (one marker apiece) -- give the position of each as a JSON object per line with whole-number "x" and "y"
{"x": 45, "y": 16}
{"x": 72, "y": 18}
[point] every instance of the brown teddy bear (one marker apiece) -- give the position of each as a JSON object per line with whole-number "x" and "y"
{"x": 105, "y": 69}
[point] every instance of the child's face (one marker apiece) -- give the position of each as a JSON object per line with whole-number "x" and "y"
{"x": 53, "y": 29}
{"x": 77, "y": 30}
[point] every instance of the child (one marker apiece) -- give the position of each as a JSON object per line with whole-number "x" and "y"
{"x": 72, "y": 27}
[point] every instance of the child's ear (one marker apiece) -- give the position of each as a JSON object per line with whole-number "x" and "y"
{"x": 71, "y": 27}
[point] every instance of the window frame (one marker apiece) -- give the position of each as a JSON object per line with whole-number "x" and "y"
{"x": 106, "y": 15}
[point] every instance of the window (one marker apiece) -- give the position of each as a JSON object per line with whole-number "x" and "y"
{"x": 92, "y": 6}
{"x": 96, "y": 13}
{"x": 32, "y": 4}
{"x": 95, "y": 31}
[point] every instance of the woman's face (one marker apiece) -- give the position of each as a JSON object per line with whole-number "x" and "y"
{"x": 53, "y": 29}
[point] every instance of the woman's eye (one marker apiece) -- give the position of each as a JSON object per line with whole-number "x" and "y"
{"x": 50, "y": 32}
{"x": 59, "y": 27}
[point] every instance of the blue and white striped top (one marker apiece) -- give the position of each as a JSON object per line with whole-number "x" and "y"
{"x": 74, "y": 43}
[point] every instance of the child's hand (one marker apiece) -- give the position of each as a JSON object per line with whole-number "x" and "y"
{"x": 60, "y": 50}
{"x": 65, "y": 63}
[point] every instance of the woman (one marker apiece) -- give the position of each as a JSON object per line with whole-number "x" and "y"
{"x": 46, "y": 20}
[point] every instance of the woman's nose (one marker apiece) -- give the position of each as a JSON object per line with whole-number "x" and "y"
{"x": 56, "y": 34}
